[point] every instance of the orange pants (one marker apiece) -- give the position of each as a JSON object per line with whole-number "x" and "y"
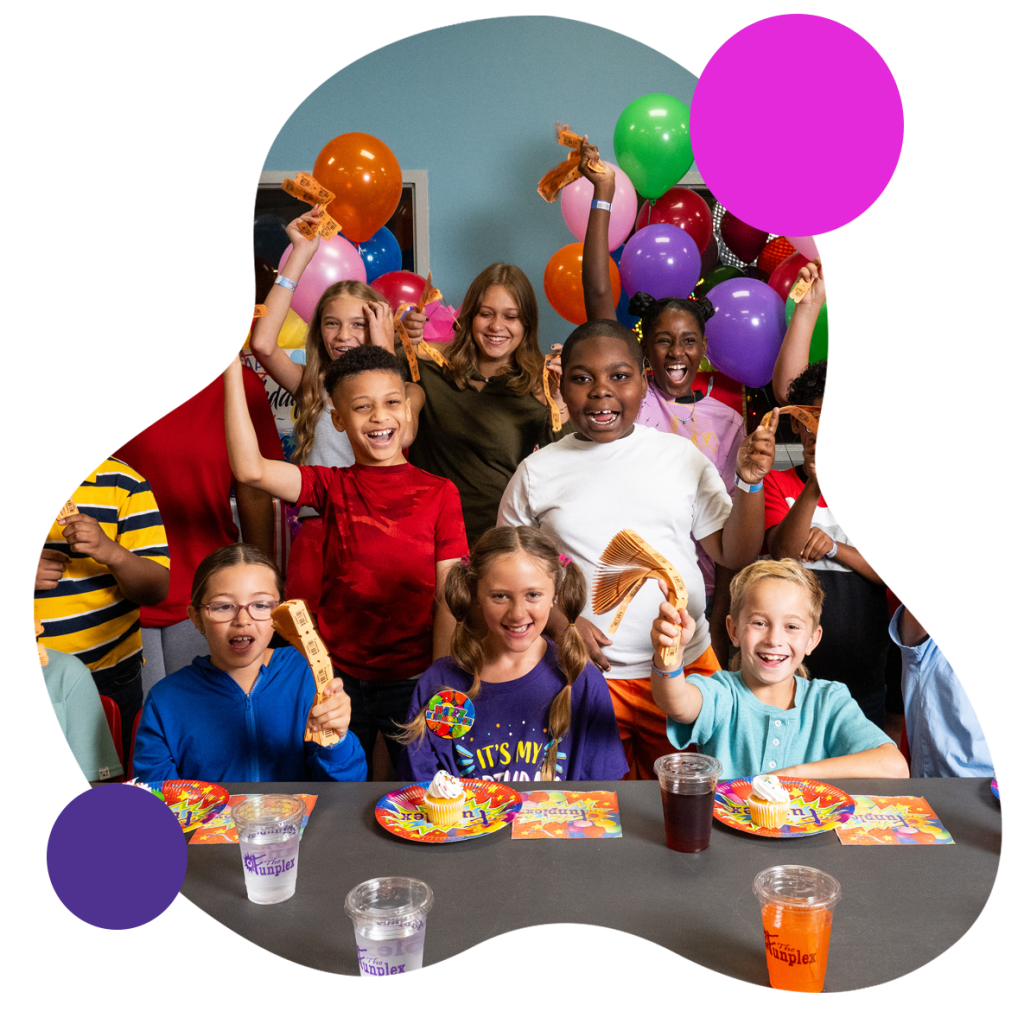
{"x": 641, "y": 724}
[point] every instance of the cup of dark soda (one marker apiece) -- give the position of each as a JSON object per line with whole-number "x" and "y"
{"x": 688, "y": 784}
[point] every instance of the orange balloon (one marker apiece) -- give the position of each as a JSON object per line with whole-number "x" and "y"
{"x": 366, "y": 181}
{"x": 563, "y": 282}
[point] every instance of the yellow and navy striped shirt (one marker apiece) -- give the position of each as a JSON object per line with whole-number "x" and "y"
{"x": 87, "y": 615}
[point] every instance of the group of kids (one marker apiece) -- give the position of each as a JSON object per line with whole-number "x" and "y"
{"x": 449, "y": 540}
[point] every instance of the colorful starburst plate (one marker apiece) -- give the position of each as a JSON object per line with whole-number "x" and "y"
{"x": 193, "y": 802}
{"x": 489, "y": 807}
{"x": 816, "y": 807}
{"x": 995, "y": 789}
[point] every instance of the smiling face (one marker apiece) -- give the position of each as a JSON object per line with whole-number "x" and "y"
{"x": 372, "y": 409}
{"x": 343, "y": 325}
{"x": 515, "y": 595}
{"x": 775, "y": 631}
{"x": 497, "y": 329}
{"x": 237, "y": 646}
{"x": 674, "y": 349}
{"x": 603, "y": 387}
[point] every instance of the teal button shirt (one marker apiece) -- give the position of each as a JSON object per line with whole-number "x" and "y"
{"x": 751, "y": 738}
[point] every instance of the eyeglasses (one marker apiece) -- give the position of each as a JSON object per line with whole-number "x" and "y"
{"x": 224, "y": 611}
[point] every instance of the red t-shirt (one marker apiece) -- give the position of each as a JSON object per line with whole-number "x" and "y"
{"x": 779, "y": 485}
{"x": 385, "y": 527}
{"x": 184, "y": 456}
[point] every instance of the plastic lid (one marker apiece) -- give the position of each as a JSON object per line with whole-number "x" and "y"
{"x": 689, "y": 766}
{"x": 795, "y": 885}
{"x": 267, "y": 809}
{"x": 392, "y": 900}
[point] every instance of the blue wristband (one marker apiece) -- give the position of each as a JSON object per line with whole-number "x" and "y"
{"x": 600, "y": 204}
{"x": 667, "y": 675}
{"x": 286, "y": 282}
{"x": 749, "y": 488}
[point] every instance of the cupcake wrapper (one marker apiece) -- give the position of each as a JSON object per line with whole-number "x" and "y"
{"x": 768, "y": 815}
{"x": 445, "y": 815}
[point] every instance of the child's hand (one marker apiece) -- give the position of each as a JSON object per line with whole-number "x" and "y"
{"x": 50, "y": 569}
{"x": 756, "y": 455}
{"x": 413, "y": 321}
{"x": 381, "y": 322}
{"x": 555, "y": 386}
{"x": 818, "y": 544}
{"x": 594, "y": 640}
{"x": 303, "y": 246}
{"x": 334, "y": 713}
{"x": 86, "y": 537}
{"x": 671, "y": 625}
{"x": 592, "y": 167}
{"x": 812, "y": 272}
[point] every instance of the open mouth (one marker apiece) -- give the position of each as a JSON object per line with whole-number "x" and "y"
{"x": 517, "y": 631}
{"x": 677, "y": 373}
{"x": 773, "y": 659}
{"x": 380, "y": 438}
{"x": 241, "y": 644}
{"x": 603, "y": 417}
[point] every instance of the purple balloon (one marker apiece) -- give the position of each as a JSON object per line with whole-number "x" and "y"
{"x": 746, "y": 332}
{"x": 662, "y": 260}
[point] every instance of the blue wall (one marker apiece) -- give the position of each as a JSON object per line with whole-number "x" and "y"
{"x": 475, "y": 105}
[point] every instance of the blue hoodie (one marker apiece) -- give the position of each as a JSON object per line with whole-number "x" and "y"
{"x": 198, "y": 724}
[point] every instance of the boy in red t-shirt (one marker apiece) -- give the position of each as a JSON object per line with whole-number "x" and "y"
{"x": 391, "y": 531}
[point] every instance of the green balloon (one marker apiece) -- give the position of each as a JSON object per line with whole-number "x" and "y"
{"x": 716, "y": 276}
{"x": 819, "y": 339}
{"x": 652, "y": 143}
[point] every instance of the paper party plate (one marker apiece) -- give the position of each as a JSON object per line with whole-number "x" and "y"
{"x": 193, "y": 802}
{"x": 489, "y": 807}
{"x": 816, "y": 807}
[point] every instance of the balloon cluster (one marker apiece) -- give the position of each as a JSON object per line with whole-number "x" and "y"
{"x": 366, "y": 180}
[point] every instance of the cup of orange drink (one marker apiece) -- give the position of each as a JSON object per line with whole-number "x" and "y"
{"x": 796, "y": 913}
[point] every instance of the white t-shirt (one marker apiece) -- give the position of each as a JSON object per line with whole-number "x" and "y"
{"x": 581, "y": 493}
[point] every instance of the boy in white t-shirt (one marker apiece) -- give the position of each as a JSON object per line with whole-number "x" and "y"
{"x": 614, "y": 474}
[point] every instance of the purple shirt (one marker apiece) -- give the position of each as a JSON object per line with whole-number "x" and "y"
{"x": 509, "y": 739}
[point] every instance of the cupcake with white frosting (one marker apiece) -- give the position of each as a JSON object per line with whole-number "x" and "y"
{"x": 768, "y": 801}
{"x": 444, "y": 801}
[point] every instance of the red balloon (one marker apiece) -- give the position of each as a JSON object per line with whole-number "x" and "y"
{"x": 743, "y": 240}
{"x": 400, "y": 286}
{"x": 785, "y": 274}
{"x": 366, "y": 181}
{"x": 774, "y": 253}
{"x": 684, "y": 208}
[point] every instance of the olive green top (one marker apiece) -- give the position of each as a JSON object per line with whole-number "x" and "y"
{"x": 477, "y": 438}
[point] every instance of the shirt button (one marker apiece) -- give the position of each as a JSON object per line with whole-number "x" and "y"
{"x": 771, "y": 764}
{"x": 775, "y": 743}
{"x": 778, "y": 724}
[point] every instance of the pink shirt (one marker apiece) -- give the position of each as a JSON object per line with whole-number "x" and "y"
{"x": 715, "y": 429}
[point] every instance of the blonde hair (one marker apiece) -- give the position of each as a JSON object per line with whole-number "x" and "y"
{"x": 467, "y": 649}
{"x": 527, "y": 370}
{"x": 310, "y": 398}
{"x": 790, "y": 571}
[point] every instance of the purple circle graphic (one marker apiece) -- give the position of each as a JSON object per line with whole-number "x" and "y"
{"x": 116, "y": 856}
{"x": 792, "y": 160}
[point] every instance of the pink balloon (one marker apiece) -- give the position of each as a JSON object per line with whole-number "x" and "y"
{"x": 576, "y": 199}
{"x": 805, "y": 246}
{"x": 440, "y": 325}
{"x": 337, "y": 259}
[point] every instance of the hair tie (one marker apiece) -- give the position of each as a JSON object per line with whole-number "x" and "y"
{"x": 564, "y": 560}
{"x": 465, "y": 561}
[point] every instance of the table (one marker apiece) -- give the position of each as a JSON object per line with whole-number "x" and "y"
{"x": 900, "y": 907}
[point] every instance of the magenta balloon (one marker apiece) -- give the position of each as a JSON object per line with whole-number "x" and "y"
{"x": 745, "y": 334}
{"x": 440, "y": 325}
{"x": 337, "y": 259}
{"x": 400, "y": 286}
{"x": 662, "y": 260}
{"x": 576, "y": 198}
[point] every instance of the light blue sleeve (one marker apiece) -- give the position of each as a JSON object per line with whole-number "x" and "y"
{"x": 848, "y": 730}
{"x": 715, "y": 709}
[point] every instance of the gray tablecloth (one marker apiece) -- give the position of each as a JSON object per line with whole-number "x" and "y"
{"x": 900, "y": 907}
